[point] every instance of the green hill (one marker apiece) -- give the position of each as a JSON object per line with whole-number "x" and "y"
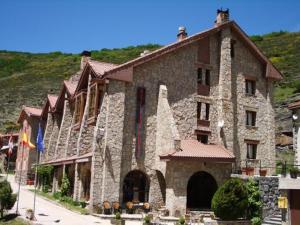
{"x": 26, "y": 78}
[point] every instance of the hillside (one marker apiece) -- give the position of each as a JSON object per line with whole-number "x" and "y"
{"x": 26, "y": 78}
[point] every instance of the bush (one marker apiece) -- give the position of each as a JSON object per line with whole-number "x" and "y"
{"x": 256, "y": 221}
{"x": 7, "y": 198}
{"x": 147, "y": 219}
{"x": 65, "y": 186}
{"x": 118, "y": 216}
{"x": 254, "y": 201}
{"x": 230, "y": 200}
{"x": 45, "y": 176}
{"x": 181, "y": 220}
{"x": 57, "y": 195}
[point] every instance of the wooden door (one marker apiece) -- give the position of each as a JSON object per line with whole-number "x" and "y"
{"x": 295, "y": 207}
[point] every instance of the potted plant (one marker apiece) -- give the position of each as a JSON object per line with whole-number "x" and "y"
{"x": 118, "y": 220}
{"x": 181, "y": 220}
{"x": 248, "y": 171}
{"x": 29, "y": 214}
{"x": 294, "y": 172}
{"x": 147, "y": 220}
{"x": 262, "y": 172}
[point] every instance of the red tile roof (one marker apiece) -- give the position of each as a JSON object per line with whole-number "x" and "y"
{"x": 294, "y": 105}
{"x": 272, "y": 72}
{"x": 193, "y": 149}
{"x": 101, "y": 67}
{"x": 29, "y": 111}
{"x": 70, "y": 86}
{"x": 52, "y": 100}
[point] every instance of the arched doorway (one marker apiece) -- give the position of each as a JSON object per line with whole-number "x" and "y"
{"x": 135, "y": 187}
{"x": 200, "y": 191}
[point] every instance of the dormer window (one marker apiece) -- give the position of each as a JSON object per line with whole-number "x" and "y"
{"x": 94, "y": 99}
{"x": 250, "y": 87}
{"x": 79, "y": 107}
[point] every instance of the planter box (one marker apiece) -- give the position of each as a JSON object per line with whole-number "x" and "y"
{"x": 262, "y": 172}
{"x": 230, "y": 222}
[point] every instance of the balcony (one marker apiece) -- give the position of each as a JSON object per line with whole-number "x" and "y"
{"x": 203, "y": 123}
{"x": 203, "y": 89}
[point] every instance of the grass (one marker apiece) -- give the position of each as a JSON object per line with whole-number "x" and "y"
{"x": 65, "y": 204}
{"x": 13, "y": 219}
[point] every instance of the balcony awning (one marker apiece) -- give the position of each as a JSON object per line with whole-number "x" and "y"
{"x": 194, "y": 150}
{"x": 69, "y": 160}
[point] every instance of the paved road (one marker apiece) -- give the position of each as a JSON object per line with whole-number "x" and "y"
{"x": 48, "y": 213}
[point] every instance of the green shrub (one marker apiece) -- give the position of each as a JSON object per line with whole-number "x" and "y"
{"x": 230, "y": 200}
{"x": 181, "y": 220}
{"x": 65, "y": 186}
{"x": 7, "y": 198}
{"x": 118, "y": 216}
{"x": 45, "y": 173}
{"x": 254, "y": 200}
{"x": 82, "y": 204}
{"x": 57, "y": 195}
{"x": 147, "y": 219}
{"x": 256, "y": 221}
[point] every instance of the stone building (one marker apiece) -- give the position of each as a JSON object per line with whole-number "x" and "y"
{"x": 167, "y": 127}
{"x": 29, "y": 120}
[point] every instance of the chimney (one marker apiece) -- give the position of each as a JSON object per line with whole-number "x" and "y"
{"x": 222, "y": 16}
{"x": 145, "y": 52}
{"x": 85, "y": 57}
{"x": 181, "y": 33}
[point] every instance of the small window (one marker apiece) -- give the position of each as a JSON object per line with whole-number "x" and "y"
{"x": 250, "y": 87}
{"x": 232, "y": 49}
{"x": 203, "y": 111}
{"x": 250, "y": 118}
{"x": 199, "y": 74}
{"x": 95, "y": 95}
{"x": 207, "y": 77}
{"x": 203, "y": 138}
{"x": 251, "y": 151}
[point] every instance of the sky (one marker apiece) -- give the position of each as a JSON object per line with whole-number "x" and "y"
{"x": 72, "y": 26}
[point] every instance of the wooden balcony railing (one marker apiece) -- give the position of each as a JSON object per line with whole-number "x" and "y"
{"x": 203, "y": 89}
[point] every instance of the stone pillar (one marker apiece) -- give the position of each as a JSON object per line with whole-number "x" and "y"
{"x": 77, "y": 183}
{"x": 157, "y": 192}
{"x": 55, "y": 181}
{"x": 47, "y": 135}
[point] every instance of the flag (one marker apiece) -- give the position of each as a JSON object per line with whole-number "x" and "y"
{"x": 39, "y": 140}
{"x": 25, "y": 140}
{"x": 10, "y": 145}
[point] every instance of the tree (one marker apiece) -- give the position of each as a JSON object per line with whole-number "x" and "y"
{"x": 7, "y": 198}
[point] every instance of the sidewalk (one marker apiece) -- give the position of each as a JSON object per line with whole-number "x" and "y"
{"x": 48, "y": 213}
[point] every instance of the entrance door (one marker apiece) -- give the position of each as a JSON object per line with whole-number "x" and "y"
{"x": 200, "y": 191}
{"x": 135, "y": 187}
{"x": 295, "y": 206}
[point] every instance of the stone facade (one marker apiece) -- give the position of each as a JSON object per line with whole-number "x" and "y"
{"x": 106, "y": 151}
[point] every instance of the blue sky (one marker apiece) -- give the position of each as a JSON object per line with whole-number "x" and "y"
{"x": 76, "y": 25}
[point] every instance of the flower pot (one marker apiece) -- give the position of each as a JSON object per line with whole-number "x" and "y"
{"x": 244, "y": 171}
{"x": 262, "y": 172}
{"x": 293, "y": 174}
{"x": 248, "y": 171}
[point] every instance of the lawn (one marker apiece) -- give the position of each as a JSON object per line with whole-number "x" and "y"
{"x": 12, "y": 219}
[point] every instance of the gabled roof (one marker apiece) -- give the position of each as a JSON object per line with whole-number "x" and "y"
{"x": 69, "y": 87}
{"x": 294, "y": 105}
{"x": 193, "y": 149}
{"x": 271, "y": 71}
{"x": 98, "y": 70}
{"x": 30, "y": 112}
{"x": 50, "y": 102}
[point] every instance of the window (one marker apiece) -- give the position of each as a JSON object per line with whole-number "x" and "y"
{"x": 203, "y": 79}
{"x": 251, "y": 151}
{"x": 250, "y": 87}
{"x": 203, "y": 111}
{"x": 79, "y": 107}
{"x": 140, "y": 114}
{"x": 203, "y": 138}
{"x": 95, "y": 96}
{"x": 232, "y": 49}
{"x": 250, "y": 118}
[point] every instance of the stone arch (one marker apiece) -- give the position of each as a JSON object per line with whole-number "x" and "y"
{"x": 201, "y": 188}
{"x": 136, "y": 187}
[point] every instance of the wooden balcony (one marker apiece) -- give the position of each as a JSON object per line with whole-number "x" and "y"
{"x": 203, "y": 89}
{"x": 203, "y": 123}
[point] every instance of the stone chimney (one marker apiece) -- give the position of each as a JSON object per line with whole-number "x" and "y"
{"x": 145, "y": 52}
{"x": 181, "y": 34}
{"x": 85, "y": 57}
{"x": 222, "y": 16}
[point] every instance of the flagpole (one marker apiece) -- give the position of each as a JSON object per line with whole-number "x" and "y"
{"x": 35, "y": 181}
{"x": 20, "y": 178}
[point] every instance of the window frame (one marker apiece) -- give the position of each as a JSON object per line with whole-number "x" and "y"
{"x": 254, "y": 146}
{"x": 252, "y": 83}
{"x": 81, "y": 97}
{"x": 92, "y": 114}
{"x": 253, "y": 118}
